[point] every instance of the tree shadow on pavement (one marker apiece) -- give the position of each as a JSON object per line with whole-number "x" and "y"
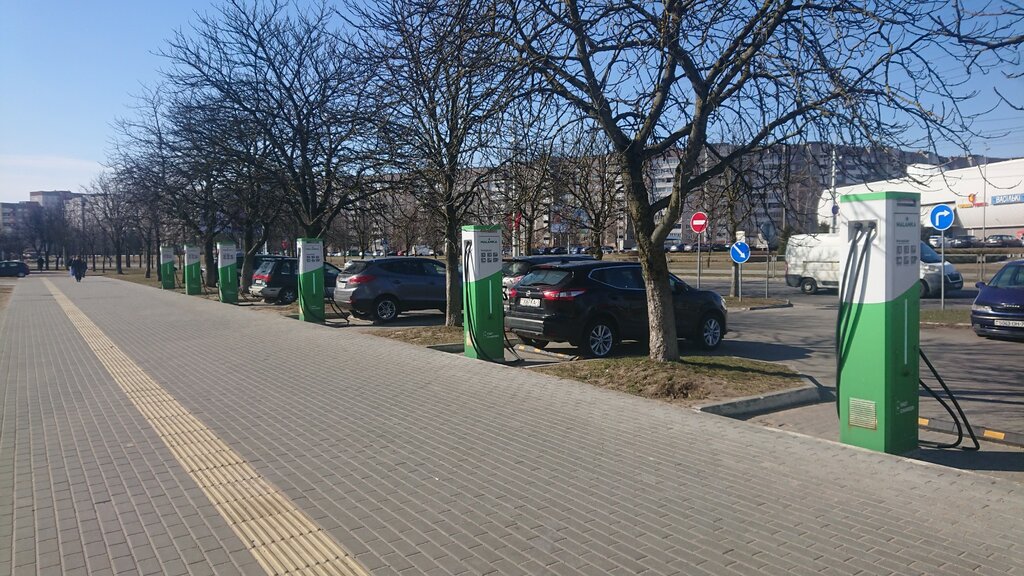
{"x": 992, "y": 457}
{"x": 765, "y": 351}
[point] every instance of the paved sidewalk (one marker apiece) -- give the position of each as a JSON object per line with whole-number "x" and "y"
{"x": 421, "y": 462}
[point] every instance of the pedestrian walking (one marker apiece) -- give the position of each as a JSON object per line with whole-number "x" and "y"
{"x": 78, "y": 268}
{"x": 39, "y": 263}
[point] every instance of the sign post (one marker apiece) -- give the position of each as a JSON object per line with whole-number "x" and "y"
{"x": 941, "y": 218}
{"x": 698, "y": 223}
{"x": 193, "y": 274}
{"x": 740, "y": 253}
{"x": 311, "y": 279}
{"x": 167, "y": 267}
{"x": 227, "y": 272}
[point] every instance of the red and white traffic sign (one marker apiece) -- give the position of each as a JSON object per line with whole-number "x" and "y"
{"x": 698, "y": 222}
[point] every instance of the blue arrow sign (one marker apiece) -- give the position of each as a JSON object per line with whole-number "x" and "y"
{"x": 941, "y": 217}
{"x": 740, "y": 252}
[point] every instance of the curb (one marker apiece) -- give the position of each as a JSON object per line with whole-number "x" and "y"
{"x": 534, "y": 350}
{"x": 945, "y": 324}
{"x": 948, "y": 427}
{"x": 450, "y": 348}
{"x": 788, "y": 304}
{"x": 809, "y": 393}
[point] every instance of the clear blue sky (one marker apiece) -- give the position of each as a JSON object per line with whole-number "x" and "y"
{"x": 67, "y": 69}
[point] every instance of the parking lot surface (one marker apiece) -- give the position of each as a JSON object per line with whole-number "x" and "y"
{"x": 414, "y": 461}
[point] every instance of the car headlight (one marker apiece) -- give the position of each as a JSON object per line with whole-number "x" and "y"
{"x": 931, "y": 268}
{"x": 722, "y": 301}
{"x": 980, "y": 308}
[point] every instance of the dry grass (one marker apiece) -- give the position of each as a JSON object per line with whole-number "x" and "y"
{"x": 423, "y": 335}
{"x": 735, "y": 303}
{"x": 692, "y": 380}
{"x": 947, "y": 317}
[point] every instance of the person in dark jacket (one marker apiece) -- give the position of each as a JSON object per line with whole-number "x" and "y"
{"x": 78, "y": 269}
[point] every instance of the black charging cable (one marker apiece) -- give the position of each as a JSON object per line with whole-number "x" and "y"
{"x": 956, "y": 421}
{"x": 845, "y": 289}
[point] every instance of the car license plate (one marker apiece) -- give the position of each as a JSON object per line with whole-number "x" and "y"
{"x": 533, "y": 302}
{"x": 1010, "y": 323}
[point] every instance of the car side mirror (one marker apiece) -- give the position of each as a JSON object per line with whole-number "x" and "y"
{"x": 979, "y": 284}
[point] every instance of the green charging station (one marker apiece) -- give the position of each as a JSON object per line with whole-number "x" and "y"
{"x": 193, "y": 273}
{"x": 311, "y": 279}
{"x": 483, "y": 312}
{"x": 167, "y": 267}
{"x": 878, "y": 331}
{"x": 227, "y": 272}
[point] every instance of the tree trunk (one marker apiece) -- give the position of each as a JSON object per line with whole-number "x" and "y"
{"x": 159, "y": 272}
{"x": 453, "y": 284}
{"x": 248, "y": 252}
{"x": 595, "y": 242}
{"x": 211, "y": 261}
{"x": 117, "y": 259}
{"x": 149, "y": 254}
{"x": 664, "y": 342}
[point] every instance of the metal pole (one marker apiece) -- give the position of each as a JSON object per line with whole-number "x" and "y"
{"x": 698, "y": 261}
{"x": 942, "y": 270}
{"x": 739, "y": 286}
{"x": 984, "y": 213}
{"x": 766, "y": 258}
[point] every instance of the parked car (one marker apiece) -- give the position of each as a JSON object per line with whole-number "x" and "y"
{"x": 513, "y": 269}
{"x": 557, "y": 250}
{"x": 382, "y": 288}
{"x": 14, "y": 268}
{"x": 1001, "y": 241}
{"x": 596, "y": 305}
{"x": 277, "y": 279}
{"x": 998, "y": 310}
{"x": 966, "y": 241}
{"x": 608, "y": 249}
{"x": 680, "y": 247}
{"x": 938, "y": 240}
{"x": 720, "y": 247}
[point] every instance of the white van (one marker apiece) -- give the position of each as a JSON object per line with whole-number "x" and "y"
{"x": 812, "y": 262}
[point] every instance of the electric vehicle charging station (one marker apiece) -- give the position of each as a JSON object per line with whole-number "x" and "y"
{"x": 483, "y": 312}
{"x": 193, "y": 274}
{"x": 878, "y": 330}
{"x": 227, "y": 272}
{"x": 311, "y": 279}
{"x": 167, "y": 267}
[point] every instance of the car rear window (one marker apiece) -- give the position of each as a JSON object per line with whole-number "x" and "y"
{"x": 266, "y": 267}
{"x": 544, "y": 277}
{"x": 354, "y": 267}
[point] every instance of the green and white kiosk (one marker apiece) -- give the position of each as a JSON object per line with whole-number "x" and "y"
{"x": 878, "y": 331}
{"x": 193, "y": 273}
{"x": 167, "y": 267}
{"x": 227, "y": 272}
{"x": 484, "y": 315}
{"x": 311, "y": 279}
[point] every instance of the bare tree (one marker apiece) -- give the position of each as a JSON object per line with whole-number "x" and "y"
{"x": 658, "y": 77}
{"x": 443, "y": 86}
{"x": 589, "y": 175}
{"x": 284, "y": 70}
{"x": 112, "y": 208}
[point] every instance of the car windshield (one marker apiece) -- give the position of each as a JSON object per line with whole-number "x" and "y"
{"x": 544, "y": 277}
{"x": 929, "y": 256}
{"x": 1011, "y": 276}
{"x": 354, "y": 267}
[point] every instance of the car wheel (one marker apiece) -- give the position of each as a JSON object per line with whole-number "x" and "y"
{"x": 598, "y": 339}
{"x": 710, "y": 335}
{"x": 924, "y": 289}
{"x": 540, "y": 344}
{"x": 287, "y": 296}
{"x": 385, "y": 310}
{"x": 808, "y": 286}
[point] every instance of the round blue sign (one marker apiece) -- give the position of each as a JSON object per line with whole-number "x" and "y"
{"x": 835, "y": 209}
{"x": 941, "y": 217}
{"x": 740, "y": 252}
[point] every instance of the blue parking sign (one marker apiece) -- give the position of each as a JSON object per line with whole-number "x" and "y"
{"x": 740, "y": 252}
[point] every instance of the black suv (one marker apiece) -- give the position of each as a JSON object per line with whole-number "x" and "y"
{"x": 595, "y": 305}
{"x": 277, "y": 279}
{"x": 513, "y": 269}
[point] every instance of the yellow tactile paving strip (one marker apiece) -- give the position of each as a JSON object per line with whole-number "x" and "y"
{"x": 283, "y": 539}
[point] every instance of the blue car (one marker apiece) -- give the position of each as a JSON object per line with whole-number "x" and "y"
{"x": 998, "y": 311}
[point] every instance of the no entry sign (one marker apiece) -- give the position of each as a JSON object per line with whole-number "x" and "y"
{"x": 699, "y": 222}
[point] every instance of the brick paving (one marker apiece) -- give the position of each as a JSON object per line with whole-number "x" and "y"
{"x": 421, "y": 462}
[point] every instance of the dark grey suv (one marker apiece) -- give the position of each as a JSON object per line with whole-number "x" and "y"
{"x": 383, "y": 288}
